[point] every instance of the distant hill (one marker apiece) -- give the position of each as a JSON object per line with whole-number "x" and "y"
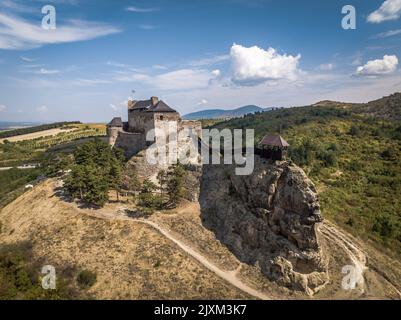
{"x": 387, "y": 107}
{"x": 224, "y": 114}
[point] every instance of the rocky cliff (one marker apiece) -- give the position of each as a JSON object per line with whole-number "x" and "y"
{"x": 269, "y": 218}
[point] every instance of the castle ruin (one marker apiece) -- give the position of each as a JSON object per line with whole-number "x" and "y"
{"x": 148, "y": 121}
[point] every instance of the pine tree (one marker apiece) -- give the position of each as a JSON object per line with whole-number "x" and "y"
{"x": 175, "y": 184}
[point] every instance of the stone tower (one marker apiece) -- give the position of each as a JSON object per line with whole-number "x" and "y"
{"x": 113, "y": 130}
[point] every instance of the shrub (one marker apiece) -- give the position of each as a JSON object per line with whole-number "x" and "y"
{"x": 150, "y": 200}
{"x": 354, "y": 131}
{"x": 387, "y": 154}
{"x": 86, "y": 279}
{"x": 384, "y": 226}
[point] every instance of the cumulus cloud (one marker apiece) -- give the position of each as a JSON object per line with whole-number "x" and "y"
{"x": 389, "y": 10}
{"x": 253, "y": 65}
{"x": 2, "y": 107}
{"x": 377, "y": 67}
{"x": 19, "y": 34}
{"x": 113, "y": 106}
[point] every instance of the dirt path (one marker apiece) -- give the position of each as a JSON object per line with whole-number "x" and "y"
{"x": 229, "y": 276}
{"x": 357, "y": 256}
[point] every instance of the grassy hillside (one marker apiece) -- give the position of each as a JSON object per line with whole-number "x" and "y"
{"x": 353, "y": 158}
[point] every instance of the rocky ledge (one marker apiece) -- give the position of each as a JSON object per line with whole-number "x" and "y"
{"x": 269, "y": 219}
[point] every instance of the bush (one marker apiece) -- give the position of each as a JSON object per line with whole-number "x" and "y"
{"x": 384, "y": 226}
{"x": 387, "y": 154}
{"x": 150, "y": 200}
{"x": 354, "y": 131}
{"x": 86, "y": 279}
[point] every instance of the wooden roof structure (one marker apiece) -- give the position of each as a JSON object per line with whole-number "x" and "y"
{"x": 274, "y": 141}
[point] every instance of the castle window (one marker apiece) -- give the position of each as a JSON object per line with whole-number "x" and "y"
{"x": 161, "y": 118}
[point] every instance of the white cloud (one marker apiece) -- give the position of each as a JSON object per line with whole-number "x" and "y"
{"x": 141, "y": 10}
{"x": 2, "y": 107}
{"x": 326, "y": 67}
{"x": 377, "y": 67}
{"x": 42, "y": 109}
{"x": 387, "y": 34}
{"x": 26, "y": 59}
{"x": 253, "y": 66}
{"x": 16, "y": 6}
{"x": 113, "y": 106}
{"x": 216, "y": 73}
{"x": 48, "y": 71}
{"x": 19, "y": 34}
{"x": 203, "y": 102}
{"x": 182, "y": 79}
{"x": 389, "y": 10}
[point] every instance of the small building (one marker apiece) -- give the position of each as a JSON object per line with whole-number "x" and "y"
{"x": 273, "y": 147}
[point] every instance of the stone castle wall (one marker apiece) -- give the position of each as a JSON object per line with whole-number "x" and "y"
{"x": 130, "y": 142}
{"x": 140, "y": 122}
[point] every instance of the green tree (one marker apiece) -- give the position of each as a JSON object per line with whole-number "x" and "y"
{"x": 97, "y": 169}
{"x": 147, "y": 198}
{"x": 175, "y": 183}
{"x": 162, "y": 177}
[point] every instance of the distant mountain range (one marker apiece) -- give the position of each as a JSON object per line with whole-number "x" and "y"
{"x": 224, "y": 114}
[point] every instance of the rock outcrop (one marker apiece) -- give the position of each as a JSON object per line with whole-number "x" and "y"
{"x": 269, "y": 219}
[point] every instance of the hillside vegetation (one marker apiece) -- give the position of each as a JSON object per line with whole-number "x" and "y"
{"x": 352, "y": 153}
{"x": 41, "y": 150}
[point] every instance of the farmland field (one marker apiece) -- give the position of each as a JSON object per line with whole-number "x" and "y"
{"x": 34, "y": 135}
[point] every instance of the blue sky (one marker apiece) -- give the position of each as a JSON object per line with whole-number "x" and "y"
{"x": 193, "y": 54}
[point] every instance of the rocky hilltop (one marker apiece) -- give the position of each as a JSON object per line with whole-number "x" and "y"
{"x": 270, "y": 219}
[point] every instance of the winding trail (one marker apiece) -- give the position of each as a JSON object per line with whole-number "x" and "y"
{"x": 229, "y": 276}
